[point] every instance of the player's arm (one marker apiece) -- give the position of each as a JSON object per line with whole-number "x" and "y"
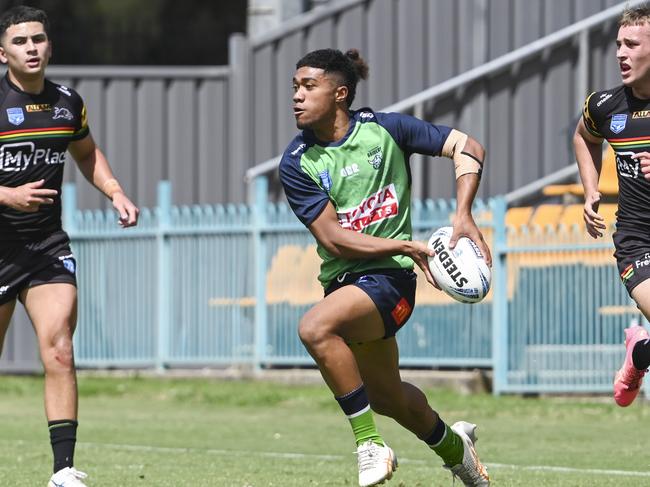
{"x": 468, "y": 156}
{"x": 348, "y": 244}
{"x": 588, "y": 150}
{"x": 93, "y": 165}
{"x": 418, "y": 136}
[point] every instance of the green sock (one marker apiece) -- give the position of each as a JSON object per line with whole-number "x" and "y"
{"x": 356, "y": 407}
{"x": 364, "y": 429}
{"x": 450, "y": 448}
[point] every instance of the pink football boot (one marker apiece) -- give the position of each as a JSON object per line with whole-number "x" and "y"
{"x": 628, "y": 379}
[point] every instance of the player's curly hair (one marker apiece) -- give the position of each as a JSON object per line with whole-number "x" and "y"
{"x": 638, "y": 15}
{"x": 20, "y": 14}
{"x": 350, "y": 66}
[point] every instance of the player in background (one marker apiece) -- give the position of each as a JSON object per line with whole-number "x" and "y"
{"x": 621, "y": 115}
{"x": 39, "y": 121}
{"x": 347, "y": 178}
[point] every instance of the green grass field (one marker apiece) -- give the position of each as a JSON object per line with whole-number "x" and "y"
{"x": 201, "y": 432}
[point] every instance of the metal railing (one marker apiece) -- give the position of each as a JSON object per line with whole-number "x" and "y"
{"x": 305, "y": 20}
{"x": 207, "y": 285}
{"x": 511, "y": 60}
{"x": 226, "y": 285}
{"x": 137, "y": 72}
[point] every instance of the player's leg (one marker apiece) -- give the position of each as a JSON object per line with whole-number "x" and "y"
{"x": 378, "y": 363}
{"x": 349, "y": 315}
{"x": 355, "y": 309}
{"x": 632, "y": 253}
{"x": 6, "y": 312}
{"x": 345, "y": 315}
{"x": 9, "y": 286}
{"x": 388, "y": 394}
{"x": 52, "y": 308}
{"x": 641, "y": 349}
{"x": 637, "y": 350}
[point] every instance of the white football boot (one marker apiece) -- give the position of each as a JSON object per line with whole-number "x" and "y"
{"x": 67, "y": 477}
{"x": 376, "y": 463}
{"x": 471, "y": 471}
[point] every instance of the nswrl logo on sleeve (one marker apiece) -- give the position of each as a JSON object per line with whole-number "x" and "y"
{"x": 326, "y": 180}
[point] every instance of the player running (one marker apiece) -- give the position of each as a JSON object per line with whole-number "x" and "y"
{"x": 39, "y": 121}
{"x": 347, "y": 178}
{"x": 621, "y": 115}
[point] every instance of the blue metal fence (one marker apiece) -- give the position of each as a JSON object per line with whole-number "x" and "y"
{"x": 216, "y": 285}
{"x": 563, "y": 311}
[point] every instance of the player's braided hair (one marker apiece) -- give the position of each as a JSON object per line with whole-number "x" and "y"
{"x": 20, "y": 14}
{"x": 350, "y": 66}
{"x": 638, "y": 15}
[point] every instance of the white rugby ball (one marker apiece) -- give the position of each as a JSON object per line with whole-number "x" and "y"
{"x": 461, "y": 272}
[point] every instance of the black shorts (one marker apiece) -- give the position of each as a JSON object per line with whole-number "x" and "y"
{"x": 632, "y": 257}
{"x": 392, "y": 291}
{"x": 29, "y": 264}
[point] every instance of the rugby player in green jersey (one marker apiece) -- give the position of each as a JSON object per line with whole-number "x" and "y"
{"x": 346, "y": 176}
{"x": 39, "y": 122}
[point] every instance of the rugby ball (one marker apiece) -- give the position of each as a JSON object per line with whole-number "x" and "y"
{"x": 461, "y": 272}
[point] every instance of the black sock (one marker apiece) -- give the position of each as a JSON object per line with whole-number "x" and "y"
{"x": 641, "y": 355}
{"x": 63, "y": 436}
{"x": 436, "y": 434}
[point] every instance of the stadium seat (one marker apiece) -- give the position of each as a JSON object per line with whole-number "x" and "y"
{"x": 287, "y": 257}
{"x": 546, "y": 214}
{"x": 608, "y": 183}
{"x": 293, "y": 276}
{"x": 308, "y": 289}
{"x": 608, "y": 212}
{"x": 563, "y": 189}
{"x": 518, "y": 216}
{"x": 483, "y": 215}
{"x": 572, "y": 215}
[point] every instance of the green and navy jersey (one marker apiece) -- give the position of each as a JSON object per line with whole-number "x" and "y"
{"x": 35, "y": 131}
{"x": 365, "y": 175}
{"x": 624, "y": 121}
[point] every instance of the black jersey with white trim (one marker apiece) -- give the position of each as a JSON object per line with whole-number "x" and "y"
{"x": 35, "y": 131}
{"x": 624, "y": 121}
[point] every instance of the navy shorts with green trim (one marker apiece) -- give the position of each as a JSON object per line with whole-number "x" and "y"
{"x": 392, "y": 291}
{"x": 29, "y": 264}
{"x": 632, "y": 257}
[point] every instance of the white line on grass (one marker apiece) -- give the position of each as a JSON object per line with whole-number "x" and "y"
{"x": 549, "y": 468}
{"x": 213, "y": 451}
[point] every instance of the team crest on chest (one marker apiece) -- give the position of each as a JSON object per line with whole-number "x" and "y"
{"x": 617, "y": 124}
{"x": 15, "y": 115}
{"x": 62, "y": 112}
{"x": 375, "y": 157}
